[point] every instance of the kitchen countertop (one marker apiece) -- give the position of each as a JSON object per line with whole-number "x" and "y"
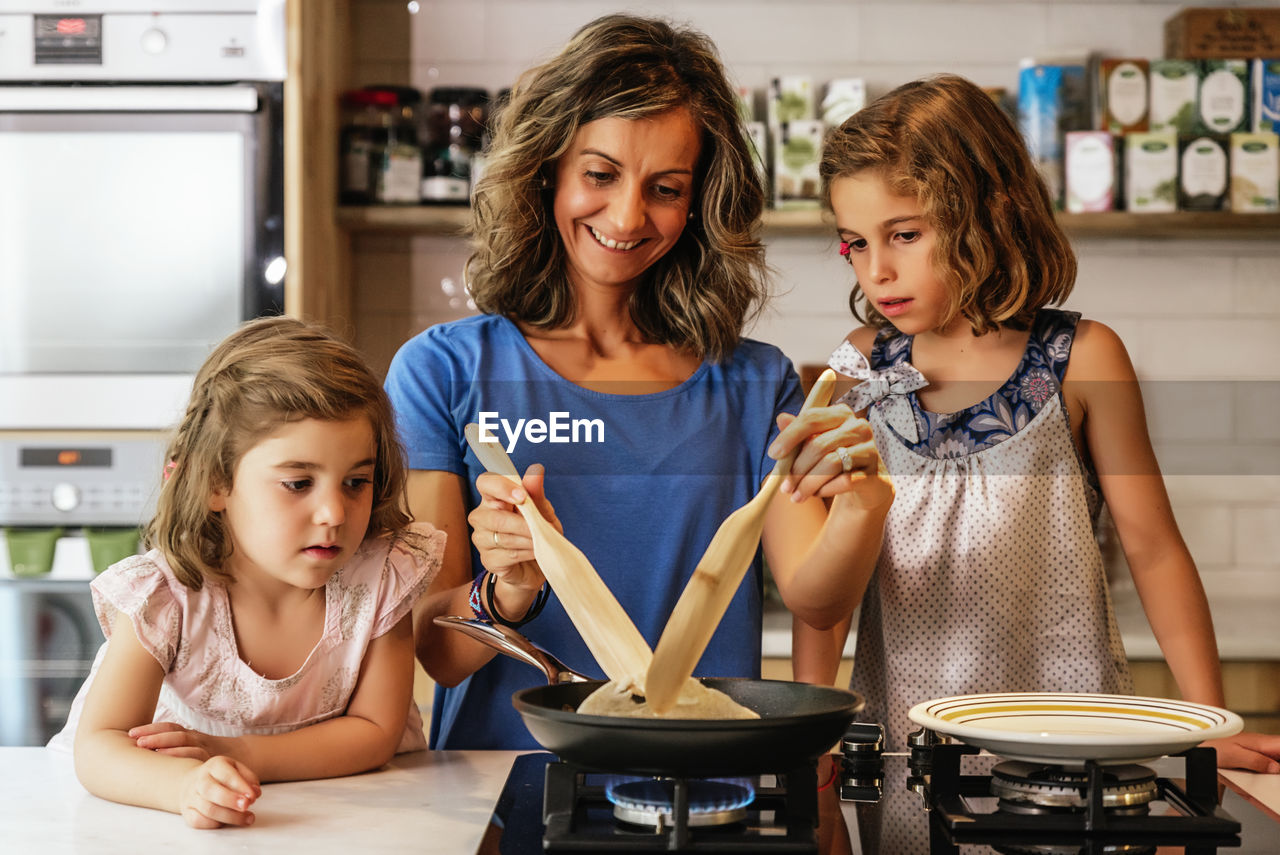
{"x": 424, "y": 801}
{"x": 427, "y": 801}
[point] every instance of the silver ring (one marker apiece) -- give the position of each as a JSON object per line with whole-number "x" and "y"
{"x": 496, "y": 545}
{"x": 846, "y": 461}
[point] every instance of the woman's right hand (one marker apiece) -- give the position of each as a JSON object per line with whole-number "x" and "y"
{"x": 500, "y": 533}
{"x": 218, "y": 792}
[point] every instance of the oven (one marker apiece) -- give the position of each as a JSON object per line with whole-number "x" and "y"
{"x": 141, "y": 221}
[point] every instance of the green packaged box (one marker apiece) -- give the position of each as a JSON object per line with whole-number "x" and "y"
{"x": 1151, "y": 172}
{"x": 1255, "y": 173}
{"x": 1222, "y": 105}
{"x": 1174, "y": 87}
{"x": 1202, "y": 173}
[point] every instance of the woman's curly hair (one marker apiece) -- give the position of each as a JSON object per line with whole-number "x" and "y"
{"x": 945, "y": 142}
{"x": 702, "y": 293}
{"x": 269, "y": 372}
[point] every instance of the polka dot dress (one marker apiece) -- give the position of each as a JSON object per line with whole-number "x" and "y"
{"x": 990, "y": 578}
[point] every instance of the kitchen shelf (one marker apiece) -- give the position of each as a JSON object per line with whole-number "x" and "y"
{"x": 1184, "y": 225}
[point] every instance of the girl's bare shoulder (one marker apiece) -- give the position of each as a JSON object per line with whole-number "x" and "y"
{"x": 1098, "y": 353}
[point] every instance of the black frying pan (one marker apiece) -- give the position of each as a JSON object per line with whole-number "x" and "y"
{"x": 797, "y": 721}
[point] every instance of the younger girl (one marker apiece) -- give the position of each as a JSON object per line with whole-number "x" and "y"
{"x": 267, "y": 634}
{"x": 1004, "y": 426}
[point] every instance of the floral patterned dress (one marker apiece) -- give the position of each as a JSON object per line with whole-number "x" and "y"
{"x": 990, "y": 578}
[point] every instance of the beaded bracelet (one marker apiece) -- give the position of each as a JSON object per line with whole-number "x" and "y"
{"x": 544, "y": 594}
{"x": 477, "y": 604}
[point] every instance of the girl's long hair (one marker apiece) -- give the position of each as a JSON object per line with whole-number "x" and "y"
{"x": 269, "y": 372}
{"x": 701, "y": 294}
{"x": 945, "y": 142}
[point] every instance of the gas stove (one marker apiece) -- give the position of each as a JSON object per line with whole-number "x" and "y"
{"x": 936, "y": 797}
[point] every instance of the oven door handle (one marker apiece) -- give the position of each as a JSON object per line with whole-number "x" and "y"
{"x": 128, "y": 99}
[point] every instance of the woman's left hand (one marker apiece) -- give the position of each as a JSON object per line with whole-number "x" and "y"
{"x": 837, "y": 455}
{"x": 165, "y": 737}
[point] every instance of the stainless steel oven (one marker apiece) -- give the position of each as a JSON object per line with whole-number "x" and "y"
{"x": 141, "y": 220}
{"x": 141, "y": 216}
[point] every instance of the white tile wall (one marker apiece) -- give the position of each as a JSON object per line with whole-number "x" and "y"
{"x": 1201, "y": 318}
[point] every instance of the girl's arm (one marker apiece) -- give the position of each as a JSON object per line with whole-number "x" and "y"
{"x": 816, "y": 653}
{"x": 823, "y": 560}
{"x": 109, "y": 763}
{"x": 823, "y": 557}
{"x": 364, "y": 737}
{"x": 1101, "y": 379}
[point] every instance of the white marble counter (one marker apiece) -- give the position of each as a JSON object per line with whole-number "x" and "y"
{"x": 426, "y": 801}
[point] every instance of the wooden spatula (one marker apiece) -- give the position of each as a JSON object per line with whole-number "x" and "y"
{"x": 715, "y": 579}
{"x": 610, "y": 635}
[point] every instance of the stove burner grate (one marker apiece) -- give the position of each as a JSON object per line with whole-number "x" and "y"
{"x": 1195, "y": 814}
{"x": 1030, "y": 788}
{"x": 580, "y": 815}
{"x": 651, "y": 802}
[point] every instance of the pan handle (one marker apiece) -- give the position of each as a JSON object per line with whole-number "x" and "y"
{"x": 506, "y": 640}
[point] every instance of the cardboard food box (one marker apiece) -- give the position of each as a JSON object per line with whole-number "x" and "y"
{"x": 1052, "y": 100}
{"x": 790, "y": 100}
{"x": 797, "y": 152}
{"x": 845, "y": 96}
{"x": 1202, "y": 173}
{"x": 1091, "y": 171}
{"x": 1264, "y": 82}
{"x": 1174, "y": 88}
{"x": 1223, "y": 102}
{"x": 1223, "y": 33}
{"x": 1122, "y": 95}
{"x": 1255, "y": 173}
{"x": 1151, "y": 172}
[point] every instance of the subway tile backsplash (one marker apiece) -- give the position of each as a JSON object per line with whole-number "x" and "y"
{"x": 1200, "y": 317}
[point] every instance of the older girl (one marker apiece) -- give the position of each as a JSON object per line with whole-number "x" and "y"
{"x": 1005, "y": 425}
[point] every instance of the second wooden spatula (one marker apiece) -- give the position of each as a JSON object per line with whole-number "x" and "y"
{"x": 711, "y": 587}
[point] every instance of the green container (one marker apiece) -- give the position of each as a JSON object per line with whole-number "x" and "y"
{"x": 31, "y": 550}
{"x": 109, "y": 545}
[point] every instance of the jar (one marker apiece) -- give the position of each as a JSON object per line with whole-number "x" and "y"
{"x": 396, "y": 166}
{"x": 455, "y": 126}
{"x": 362, "y": 136}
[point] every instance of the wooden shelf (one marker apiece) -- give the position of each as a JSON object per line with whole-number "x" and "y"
{"x": 417, "y": 219}
{"x": 1184, "y": 225}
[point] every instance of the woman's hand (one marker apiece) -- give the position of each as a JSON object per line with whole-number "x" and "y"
{"x": 827, "y": 438}
{"x": 1256, "y": 752}
{"x": 165, "y": 737}
{"x": 218, "y": 792}
{"x": 501, "y": 535}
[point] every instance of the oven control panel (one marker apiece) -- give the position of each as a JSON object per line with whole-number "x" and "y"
{"x": 79, "y": 480}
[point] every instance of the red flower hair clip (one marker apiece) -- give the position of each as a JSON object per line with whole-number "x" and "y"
{"x": 168, "y": 469}
{"x": 844, "y": 248}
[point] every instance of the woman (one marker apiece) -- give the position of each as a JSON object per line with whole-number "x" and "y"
{"x": 617, "y": 262}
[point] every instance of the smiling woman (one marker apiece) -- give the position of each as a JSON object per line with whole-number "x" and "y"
{"x": 617, "y": 260}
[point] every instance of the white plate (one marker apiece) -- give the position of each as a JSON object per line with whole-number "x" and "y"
{"x": 1069, "y": 728}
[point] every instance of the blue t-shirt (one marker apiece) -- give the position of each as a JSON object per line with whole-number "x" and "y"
{"x": 640, "y": 483}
